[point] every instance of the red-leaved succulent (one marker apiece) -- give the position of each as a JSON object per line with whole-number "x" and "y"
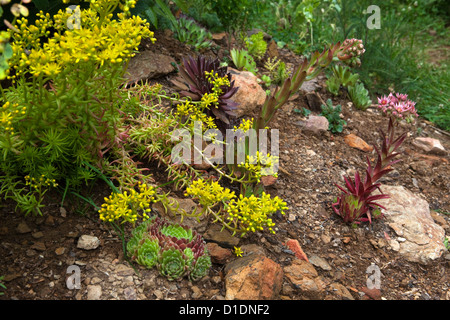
{"x": 357, "y": 204}
{"x": 194, "y": 74}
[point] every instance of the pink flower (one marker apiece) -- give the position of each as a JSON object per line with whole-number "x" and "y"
{"x": 398, "y": 106}
{"x": 383, "y": 101}
{"x": 401, "y": 96}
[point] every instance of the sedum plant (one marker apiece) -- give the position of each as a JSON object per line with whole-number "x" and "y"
{"x": 239, "y": 214}
{"x": 356, "y": 204}
{"x": 63, "y": 107}
{"x": 175, "y": 249}
{"x": 129, "y": 205}
{"x": 277, "y": 70}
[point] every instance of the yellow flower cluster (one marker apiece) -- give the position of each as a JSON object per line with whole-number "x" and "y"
{"x": 98, "y": 40}
{"x": 8, "y": 113}
{"x": 195, "y": 111}
{"x": 209, "y": 193}
{"x": 248, "y": 213}
{"x": 253, "y": 213}
{"x": 260, "y": 165}
{"x": 128, "y": 205}
{"x": 245, "y": 125}
{"x": 38, "y": 183}
{"x": 217, "y": 82}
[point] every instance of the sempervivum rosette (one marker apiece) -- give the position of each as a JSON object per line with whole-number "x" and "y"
{"x": 175, "y": 249}
{"x": 193, "y": 73}
{"x": 148, "y": 252}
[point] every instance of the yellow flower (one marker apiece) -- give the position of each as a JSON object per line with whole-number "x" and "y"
{"x": 238, "y": 251}
{"x": 51, "y": 69}
{"x": 6, "y": 117}
{"x": 245, "y": 125}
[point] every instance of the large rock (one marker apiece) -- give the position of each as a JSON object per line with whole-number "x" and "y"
{"x": 250, "y": 94}
{"x": 420, "y": 239}
{"x": 222, "y": 237}
{"x": 254, "y": 277}
{"x": 147, "y": 65}
{"x": 430, "y": 145}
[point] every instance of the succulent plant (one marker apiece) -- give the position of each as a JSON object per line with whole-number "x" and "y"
{"x": 354, "y": 48}
{"x": 308, "y": 70}
{"x": 357, "y": 204}
{"x": 148, "y": 252}
{"x": 359, "y": 96}
{"x": 194, "y": 71}
{"x": 175, "y": 249}
{"x": 172, "y": 263}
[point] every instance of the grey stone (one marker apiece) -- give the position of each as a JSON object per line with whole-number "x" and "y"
{"x": 310, "y": 86}
{"x": 319, "y": 262}
{"x": 419, "y": 238}
{"x": 314, "y": 124}
{"x": 87, "y": 242}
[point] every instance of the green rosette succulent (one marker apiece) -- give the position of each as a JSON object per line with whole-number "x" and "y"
{"x": 200, "y": 268}
{"x": 148, "y": 252}
{"x": 132, "y": 247}
{"x": 189, "y": 254}
{"x": 177, "y": 231}
{"x": 175, "y": 249}
{"x": 143, "y": 226}
{"x": 172, "y": 263}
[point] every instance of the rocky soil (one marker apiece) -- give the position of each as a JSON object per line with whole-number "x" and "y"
{"x": 313, "y": 254}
